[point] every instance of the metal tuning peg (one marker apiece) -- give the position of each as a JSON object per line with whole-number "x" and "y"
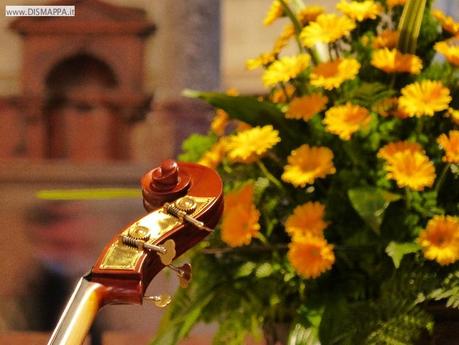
{"x": 183, "y": 273}
{"x": 179, "y": 212}
{"x": 169, "y": 253}
{"x": 160, "y": 301}
{"x": 166, "y": 251}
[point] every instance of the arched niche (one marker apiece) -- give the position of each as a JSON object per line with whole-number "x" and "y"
{"x": 105, "y": 44}
{"x": 81, "y": 123}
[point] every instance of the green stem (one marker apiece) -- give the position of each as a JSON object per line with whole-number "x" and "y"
{"x": 296, "y": 24}
{"x": 442, "y": 177}
{"x": 284, "y": 91}
{"x": 269, "y": 176}
{"x": 392, "y": 81}
{"x": 408, "y": 198}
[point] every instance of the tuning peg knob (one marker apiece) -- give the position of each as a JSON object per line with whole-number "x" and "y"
{"x": 160, "y": 301}
{"x": 183, "y": 273}
{"x": 169, "y": 252}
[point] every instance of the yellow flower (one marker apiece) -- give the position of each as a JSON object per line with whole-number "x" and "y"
{"x": 248, "y": 146}
{"x": 440, "y": 239}
{"x": 219, "y": 122}
{"x": 327, "y": 28}
{"x": 286, "y": 68}
{"x": 424, "y": 98}
{"x": 214, "y": 156}
{"x": 344, "y": 120}
{"x": 282, "y": 95}
{"x": 306, "y": 107}
{"x": 392, "y": 61}
{"x": 330, "y": 75}
{"x": 360, "y": 11}
{"x": 450, "y": 143}
{"x": 309, "y": 13}
{"x": 262, "y": 60}
{"x": 240, "y": 217}
{"x": 311, "y": 256}
{"x": 306, "y": 219}
{"x": 447, "y": 23}
{"x": 450, "y": 49}
{"x": 454, "y": 113}
{"x": 412, "y": 170}
{"x": 306, "y": 164}
{"x": 275, "y": 11}
{"x": 386, "y": 39}
{"x": 287, "y": 33}
{"x": 388, "y": 151}
{"x": 393, "y": 3}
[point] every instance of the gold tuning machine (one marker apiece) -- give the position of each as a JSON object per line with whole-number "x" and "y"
{"x": 160, "y": 301}
{"x": 166, "y": 251}
{"x": 181, "y": 212}
{"x": 183, "y": 273}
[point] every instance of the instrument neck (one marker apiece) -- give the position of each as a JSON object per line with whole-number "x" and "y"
{"x": 79, "y": 314}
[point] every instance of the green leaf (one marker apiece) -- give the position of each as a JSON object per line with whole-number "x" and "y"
{"x": 250, "y": 110}
{"x": 300, "y": 335}
{"x": 398, "y": 250}
{"x": 195, "y": 146}
{"x": 175, "y": 326}
{"x": 245, "y": 269}
{"x": 410, "y": 25}
{"x": 371, "y": 203}
{"x": 264, "y": 270}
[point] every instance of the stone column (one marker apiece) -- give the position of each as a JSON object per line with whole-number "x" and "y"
{"x": 187, "y": 51}
{"x": 193, "y": 47}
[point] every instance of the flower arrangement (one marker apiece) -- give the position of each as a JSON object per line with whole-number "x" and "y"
{"x": 341, "y": 208}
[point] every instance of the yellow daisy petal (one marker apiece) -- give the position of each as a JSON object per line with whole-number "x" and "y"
{"x": 311, "y": 256}
{"x": 306, "y": 107}
{"x": 287, "y": 33}
{"x": 215, "y": 155}
{"x": 454, "y": 114}
{"x": 392, "y": 61}
{"x": 275, "y": 11}
{"x": 262, "y": 60}
{"x": 412, "y": 170}
{"x": 331, "y": 75}
{"x": 240, "y": 217}
{"x": 440, "y": 239}
{"x": 285, "y": 69}
{"x": 388, "y": 151}
{"x": 448, "y": 23}
{"x": 393, "y": 3}
{"x": 327, "y": 28}
{"x": 306, "y": 219}
{"x": 344, "y": 120}
{"x": 386, "y": 39}
{"x": 250, "y": 145}
{"x": 424, "y": 98}
{"x": 450, "y": 143}
{"x": 306, "y": 164}
{"x": 309, "y": 14}
{"x": 450, "y": 49}
{"x": 282, "y": 95}
{"x": 360, "y": 11}
{"x": 219, "y": 122}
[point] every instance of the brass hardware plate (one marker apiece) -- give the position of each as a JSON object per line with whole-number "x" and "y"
{"x": 154, "y": 225}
